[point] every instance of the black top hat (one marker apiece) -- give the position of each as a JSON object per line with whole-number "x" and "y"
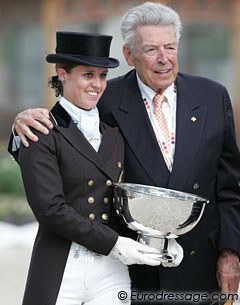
{"x": 84, "y": 49}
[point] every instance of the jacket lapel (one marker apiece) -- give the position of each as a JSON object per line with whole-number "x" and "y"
{"x": 108, "y": 138}
{"x": 65, "y": 125}
{"x": 134, "y": 123}
{"x": 189, "y": 126}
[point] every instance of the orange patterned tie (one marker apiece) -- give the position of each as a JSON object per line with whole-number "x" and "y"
{"x": 159, "y": 115}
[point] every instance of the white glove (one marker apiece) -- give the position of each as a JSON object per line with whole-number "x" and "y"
{"x": 176, "y": 250}
{"x": 136, "y": 226}
{"x": 129, "y": 252}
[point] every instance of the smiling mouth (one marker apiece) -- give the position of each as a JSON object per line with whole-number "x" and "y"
{"x": 92, "y": 93}
{"x": 163, "y": 72}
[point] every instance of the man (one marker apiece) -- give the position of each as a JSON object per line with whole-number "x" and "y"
{"x": 201, "y": 156}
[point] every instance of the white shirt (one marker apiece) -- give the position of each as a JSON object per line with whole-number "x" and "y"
{"x": 148, "y": 95}
{"x": 87, "y": 121}
{"x": 168, "y": 108}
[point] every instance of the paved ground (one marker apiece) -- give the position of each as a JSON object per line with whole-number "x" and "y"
{"x": 13, "y": 271}
{"x": 15, "y": 251}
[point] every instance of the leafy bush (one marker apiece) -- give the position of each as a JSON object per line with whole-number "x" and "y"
{"x": 13, "y": 203}
{"x": 10, "y": 177}
{"x": 15, "y": 210}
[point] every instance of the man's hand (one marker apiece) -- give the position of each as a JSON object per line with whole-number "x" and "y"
{"x": 30, "y": 118}
{"x": 228, "y": 271}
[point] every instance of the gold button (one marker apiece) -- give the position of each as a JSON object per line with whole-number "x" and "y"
{"x": 91, "y": 216}
{"x": 108, "y": 182}
{"x": 105, "y": 200}
{"x": 118, "y": 212}
{"x": 90, "y": 182}
{"x": 90, "y": 200}
{"x": 192, "y": 252}
{"x": 119, "y": 164}
{"x": 104, "y": 216}
{"x": 196, "y": 186}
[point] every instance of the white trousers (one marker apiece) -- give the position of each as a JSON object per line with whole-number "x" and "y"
{"x": 93, "y": 279}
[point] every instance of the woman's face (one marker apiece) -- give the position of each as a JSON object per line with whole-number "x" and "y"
{"x": 84, "y": 85}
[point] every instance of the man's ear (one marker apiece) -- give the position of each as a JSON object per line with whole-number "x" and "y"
{"x": 128, "y": 55}
{"x": 61, "y": 74}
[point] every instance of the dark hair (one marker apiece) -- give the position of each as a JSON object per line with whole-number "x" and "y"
{"x": 55, "y": 83}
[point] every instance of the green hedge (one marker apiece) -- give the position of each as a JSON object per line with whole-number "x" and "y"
{"x": 13, "y": 204}
{"x": 10, "y": 177}
{"x": 15, "y": 210}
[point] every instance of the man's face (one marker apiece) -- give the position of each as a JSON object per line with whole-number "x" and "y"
{"x": 155, "y": 57}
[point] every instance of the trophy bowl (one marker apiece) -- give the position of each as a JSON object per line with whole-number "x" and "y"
{"x": 162, "y": 213}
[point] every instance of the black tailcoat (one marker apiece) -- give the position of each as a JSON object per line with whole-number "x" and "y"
{"x": 68, "y": 186}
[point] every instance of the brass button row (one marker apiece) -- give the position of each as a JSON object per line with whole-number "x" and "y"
{"x": 92, "y": 216}
{"x": 91, "y": 183}
{"x": 92, "y": 200}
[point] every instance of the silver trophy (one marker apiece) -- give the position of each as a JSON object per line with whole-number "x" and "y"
{"x": 160, "y": 214}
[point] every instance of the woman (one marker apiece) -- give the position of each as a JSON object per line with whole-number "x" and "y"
{"x": 78, "y": 255}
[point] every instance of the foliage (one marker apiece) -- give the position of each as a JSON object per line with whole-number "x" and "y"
{"x": 13, "y": 204}
{"x": 10, "y": 177}
{"x": 15, "y": 210}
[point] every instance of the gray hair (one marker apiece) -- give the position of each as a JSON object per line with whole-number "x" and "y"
{"x": 148, "y": 13}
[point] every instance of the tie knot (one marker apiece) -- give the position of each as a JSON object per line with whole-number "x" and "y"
{"x": 158, "y": 99}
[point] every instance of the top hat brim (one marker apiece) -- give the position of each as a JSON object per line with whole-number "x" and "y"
{"x": 105, "y": 62}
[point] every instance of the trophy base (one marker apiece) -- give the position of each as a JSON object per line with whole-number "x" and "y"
{"x": 159, "y": 243}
